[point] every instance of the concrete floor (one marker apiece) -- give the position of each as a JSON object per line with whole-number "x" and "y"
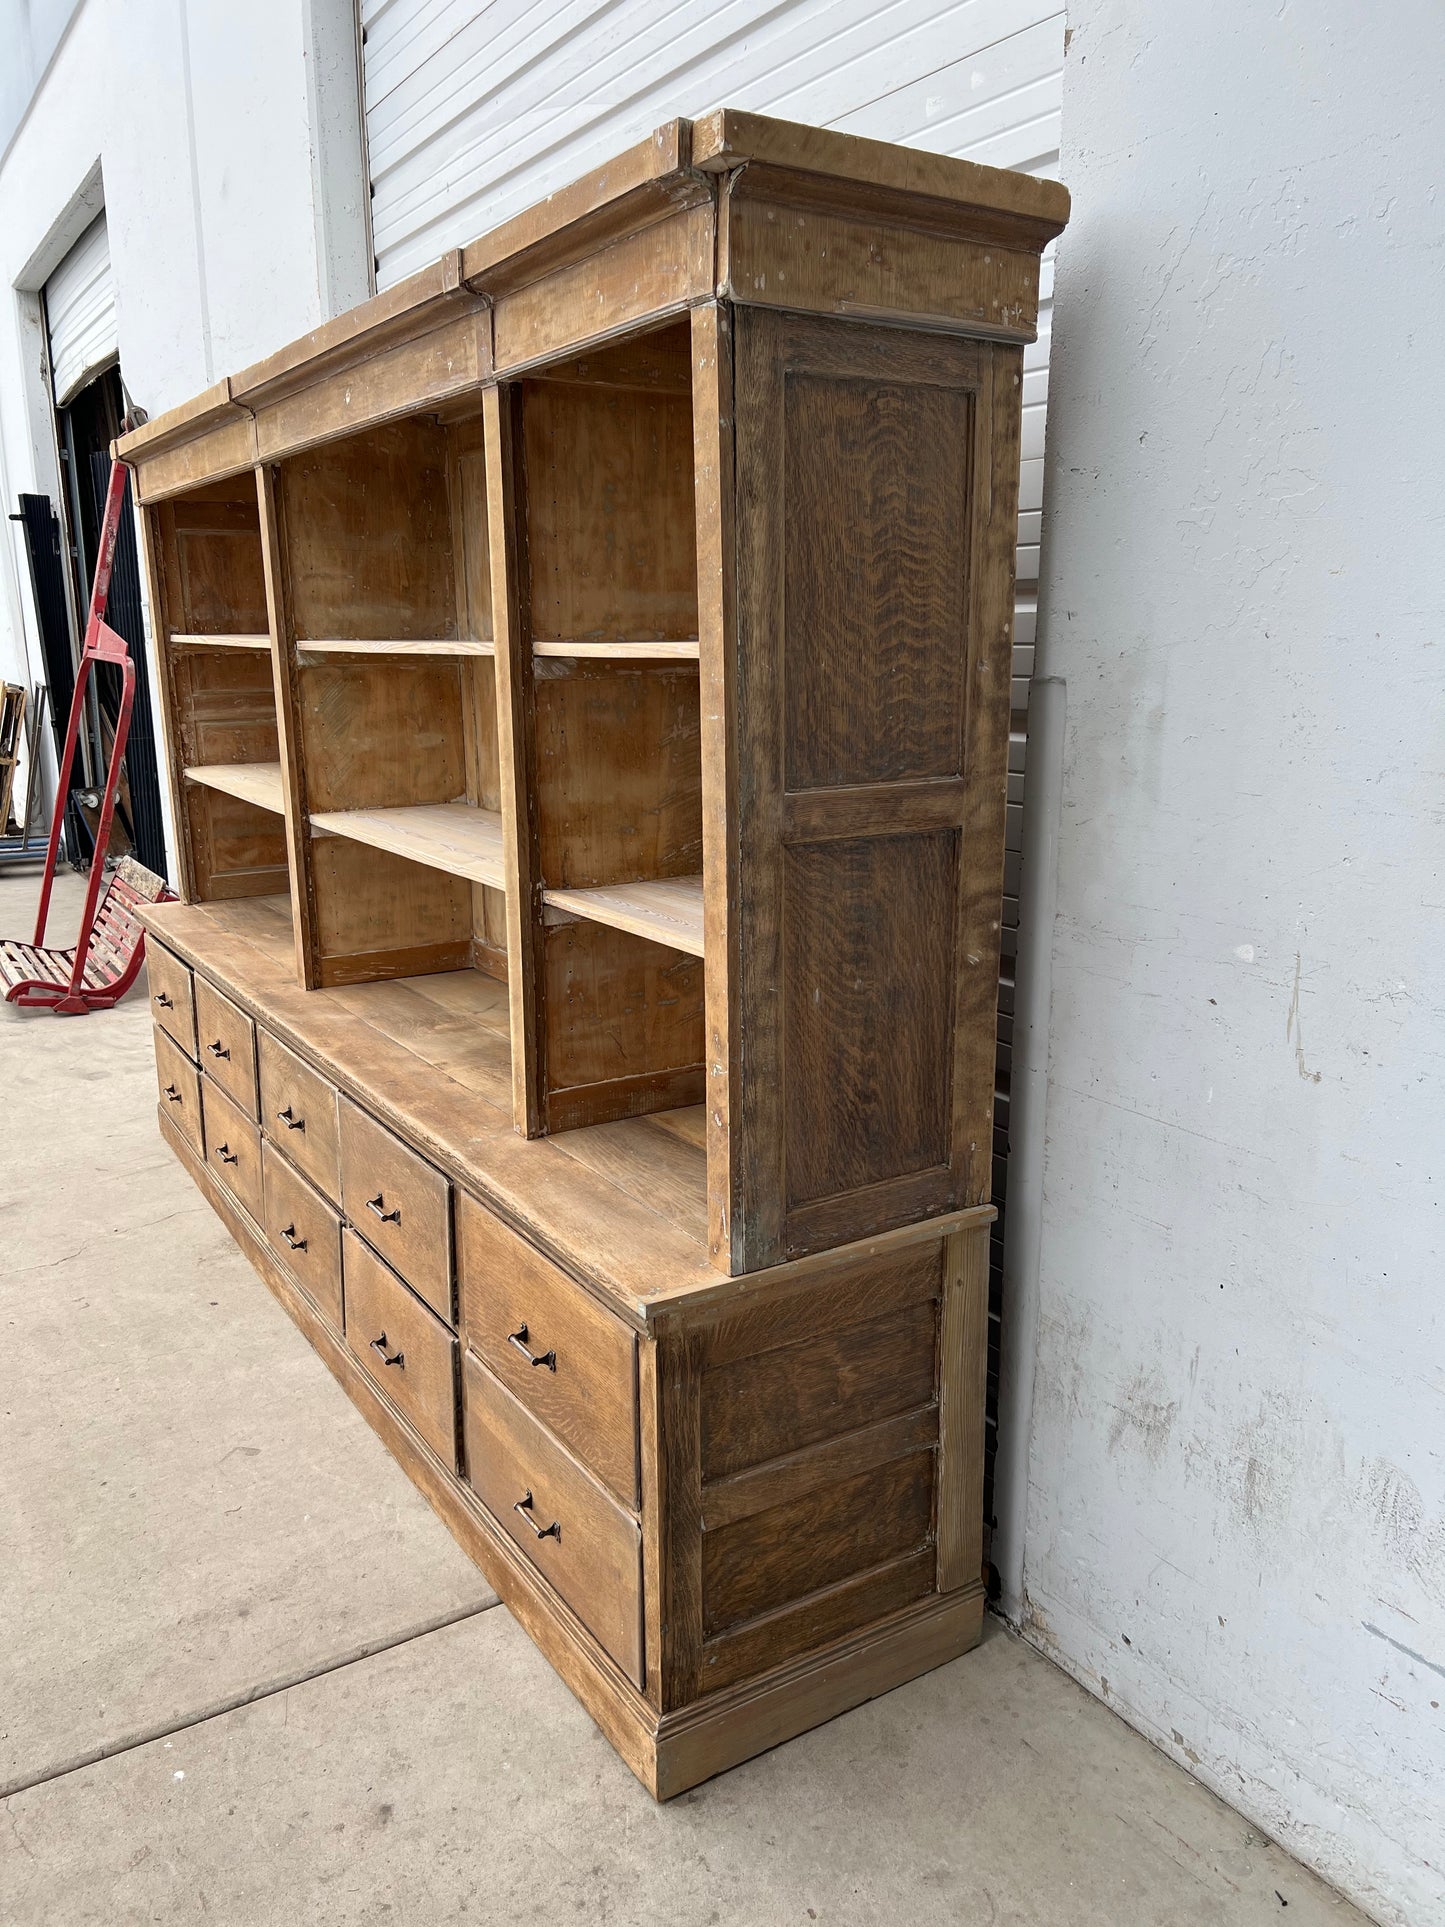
{"x": 247, "y": 1676}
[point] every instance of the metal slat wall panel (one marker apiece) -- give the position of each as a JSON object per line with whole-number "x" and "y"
{"x": 80, "y": 311}
{"x": 474, "y": 113}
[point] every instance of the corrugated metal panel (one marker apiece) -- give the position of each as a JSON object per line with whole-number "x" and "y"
{"x": 80, "y": 310}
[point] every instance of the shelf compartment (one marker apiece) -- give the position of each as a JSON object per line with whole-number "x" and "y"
{"x": 458, "y": 838}
{"x": 667, "y": 911}
{"x": 220, "y": 642}
{"x": 682, "y": 650}
{"x": 441, "y": 646}
{"x": 258, "y": 783}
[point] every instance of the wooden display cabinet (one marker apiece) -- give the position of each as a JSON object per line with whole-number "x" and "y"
{"x": 586, "y": 677}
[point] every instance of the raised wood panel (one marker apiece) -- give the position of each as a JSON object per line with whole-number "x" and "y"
{"x": 755, "y": 1409}
{"x": 875, "y": 579}
{"x": 380, "y": 734}
{"x": 227, "y": 704}
{"x": 871, "y": 639}
{"x": 610, "y": 530}
{"x": 764, "y": 1562}
{"x": 379, "y": 916}
{"x": 622, "y": 1018}
{"x": 236, "y": 849}
{"x": 214, "y": 540}
{"x": 868, "y": 935}
{"x": 368, "y": 536}
{"x": 619, "y": 774}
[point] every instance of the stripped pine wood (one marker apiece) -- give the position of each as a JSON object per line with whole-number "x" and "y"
{"x": 610, "y": 1099}
{"x": 668, "y": 911}
{"x": 456, "y": 837}
{"x": 258, "y": 783}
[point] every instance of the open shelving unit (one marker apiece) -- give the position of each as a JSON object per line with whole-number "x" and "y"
{"x": 586, "y": 677}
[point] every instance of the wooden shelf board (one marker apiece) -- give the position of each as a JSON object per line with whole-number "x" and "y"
{"x": 258, "y": 783}
{"x": 668, "y": 911}
{"x": 455, "y": 837}
{"x": 682, "y": 651}
{"x": 428, "y": 646}
{"x": 220, "y": 642}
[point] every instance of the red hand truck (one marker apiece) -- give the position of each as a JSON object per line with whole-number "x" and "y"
{"x": 110, "y": 947}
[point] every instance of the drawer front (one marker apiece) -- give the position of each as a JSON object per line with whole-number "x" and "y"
{"x": 572, "y": 1364}
{"x": 304, "y": 1232}
{"x": 400, "y": 1204}
{"x": 173, "y": 999}
{"x": 233, "y": 1147}
{"x": 572, "y": 1531}
{"x": 298, "y": 1110}
{"x": 406, "y": 1351}
{"x": 227, "y": 1046}
{"x": 180, "y": 1088}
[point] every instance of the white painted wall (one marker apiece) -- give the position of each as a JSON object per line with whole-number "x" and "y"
{"x": 1236, "y": 1527}
{"x": 234, "y": 223}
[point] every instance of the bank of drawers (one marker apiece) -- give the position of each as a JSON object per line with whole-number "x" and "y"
{"x": 514, "y": 1377}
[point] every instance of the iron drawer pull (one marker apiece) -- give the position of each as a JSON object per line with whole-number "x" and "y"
{"x": 374, "y": 1205}
{"x": 225, "y": 1154}
{"x": 524, "y": 1506}
{"x": 291, "y": 1122}
{"x": 378, "y": 1345}
{"x": 291, "y": 1241}
{"x": 174, "y": 1095}
{"x": 164, "y": 1001}
{"x": 519, "y": 1339}
{"x": 218, "y": 1049}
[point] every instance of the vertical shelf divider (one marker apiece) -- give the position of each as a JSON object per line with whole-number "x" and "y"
{"x": 512, "y": 631}
{"x": 288, "y": 730}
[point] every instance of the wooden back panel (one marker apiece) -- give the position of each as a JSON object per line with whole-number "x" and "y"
{"x": 861, "y": 869}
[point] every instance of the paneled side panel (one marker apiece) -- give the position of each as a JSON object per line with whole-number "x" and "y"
{"x": 868, "y": 935}
{"x": 875, "y": 591}
{"x": 874, "y": 537}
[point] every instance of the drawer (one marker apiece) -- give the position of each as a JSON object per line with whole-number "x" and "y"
{"x": 227, "y": 1045}
{"x": 400, "y": 1204}
{"x": 180, "y": 1088}
{"x": 404, "y": 1349}
{"x": 571, "y": 1530}
{"x": 304, "y": 1232}
{"x": 572, "y": 1364}
{"x": 173, "y": 1000}
{"x": 233, "y": 1147}
{"x": 298, "y": 1109}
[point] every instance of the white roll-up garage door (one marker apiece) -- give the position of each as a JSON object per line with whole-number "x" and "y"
{"x": 80, "y": 313}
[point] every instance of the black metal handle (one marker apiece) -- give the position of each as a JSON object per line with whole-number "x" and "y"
{"x": 291, "y": 1241}
{"x": 524, "y": 1506}
{"x": 174, "y": 1095}
{"x": 164, "y": 1001}
{"x": 374, "y": 1206}
{"x": 218, "y": 1049}
{"x": 225, "y": 1154}
{"x": 519, "y": 1339}
{"x": 378, "y": 1345}
{"x": 290, "y": 1120}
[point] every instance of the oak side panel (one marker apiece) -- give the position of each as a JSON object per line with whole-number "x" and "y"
{"x": 874, "y": 582}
